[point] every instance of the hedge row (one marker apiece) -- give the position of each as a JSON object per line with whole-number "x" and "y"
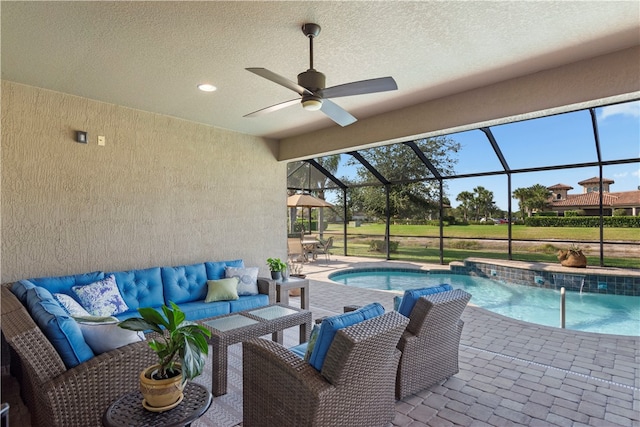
{"x": 583, "y": 221}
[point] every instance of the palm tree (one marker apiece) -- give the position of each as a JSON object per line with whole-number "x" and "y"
{"x": 484, "y": 201}
{"x": 466, "y": 202}
{"x": 521, "y": 194}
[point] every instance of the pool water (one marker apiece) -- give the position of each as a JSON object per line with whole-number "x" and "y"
{"x": 608, "y": 314}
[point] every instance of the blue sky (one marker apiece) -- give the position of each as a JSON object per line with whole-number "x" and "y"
{"x": 555, "y": 140}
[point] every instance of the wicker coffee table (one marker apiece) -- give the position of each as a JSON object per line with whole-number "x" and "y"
{"x": 241, "y": 326}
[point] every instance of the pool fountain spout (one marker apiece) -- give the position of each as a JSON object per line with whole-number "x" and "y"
{"x": 570, "y": 281}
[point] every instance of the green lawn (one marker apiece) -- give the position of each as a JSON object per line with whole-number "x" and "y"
{"x": 495, "y": 231}
{"x": 412, "y": 248}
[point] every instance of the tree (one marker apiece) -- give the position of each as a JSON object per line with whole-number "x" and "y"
{"x": 466, "y": 203}
{"x": 330, "y": 163}
{"x": 534, "y": 198}
{"x": 484, "y": 201}
{"x": 414, "y": 197}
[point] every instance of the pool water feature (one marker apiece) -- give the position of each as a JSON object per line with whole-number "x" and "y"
{"x": 602, "y": 313}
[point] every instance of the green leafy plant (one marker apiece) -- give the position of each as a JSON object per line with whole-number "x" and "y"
{"x": 575, "y": 249}
{"x": 276, "y": 264}
{"x": 182, "y": 342}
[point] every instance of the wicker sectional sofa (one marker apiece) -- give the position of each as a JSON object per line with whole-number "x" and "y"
{"x": 71, "y": 387}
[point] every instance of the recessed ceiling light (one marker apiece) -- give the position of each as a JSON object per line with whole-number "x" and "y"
{"x": 206, "y": 87}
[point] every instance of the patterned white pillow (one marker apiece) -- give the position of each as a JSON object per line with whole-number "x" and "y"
{"x": 70, "y": 305}
{"x": 101, "y": 298}
{"x": 247, "y": 279}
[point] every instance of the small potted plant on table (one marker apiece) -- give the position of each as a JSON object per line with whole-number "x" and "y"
{"x": 277, "y": 268}
{"x": 182, "y": 351}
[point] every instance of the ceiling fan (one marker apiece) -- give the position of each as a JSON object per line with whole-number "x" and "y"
{"x": 311, "y": 87}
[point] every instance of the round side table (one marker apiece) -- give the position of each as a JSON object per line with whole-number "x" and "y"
{"x": 127, "y": 410}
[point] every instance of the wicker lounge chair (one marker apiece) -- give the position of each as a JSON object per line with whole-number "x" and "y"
{"x": 55, "y": 395}
{"x": 355, "y": 387}
{"x": 430, "y": 344}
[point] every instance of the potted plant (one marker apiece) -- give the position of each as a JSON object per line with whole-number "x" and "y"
{"x": 295, "y": 270}
{"x": 572, "y": 257}
{"x": 182, "y": 351}
{"x": 277, "y": 267}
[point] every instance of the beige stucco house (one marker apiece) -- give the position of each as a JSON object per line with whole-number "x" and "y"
{"x": 589, "y": 199}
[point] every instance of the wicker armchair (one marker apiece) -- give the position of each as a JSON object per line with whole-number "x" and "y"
{"x": 355, "y": 387}
{"x": 430, "y": 343}
{"x": 55, "y": 395}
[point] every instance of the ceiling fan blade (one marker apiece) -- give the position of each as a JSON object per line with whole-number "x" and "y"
{"x": 337, "y": 113}
{"x": 362, "y": 87}
{"x": 273, "y": 108}
{"x": 282, "y": 81}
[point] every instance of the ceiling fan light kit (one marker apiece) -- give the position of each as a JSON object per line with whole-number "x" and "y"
{"x": 312, "y": 104}
{"x": 311, "y": 87}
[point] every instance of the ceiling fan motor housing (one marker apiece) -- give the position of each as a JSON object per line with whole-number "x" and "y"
{"x": 312, "y": 80}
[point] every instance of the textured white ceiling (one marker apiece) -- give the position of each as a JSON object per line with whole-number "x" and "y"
{"x": 151, "y": 55}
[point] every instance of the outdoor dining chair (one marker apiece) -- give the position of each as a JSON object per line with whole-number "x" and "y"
{"x": 323, "y": 247}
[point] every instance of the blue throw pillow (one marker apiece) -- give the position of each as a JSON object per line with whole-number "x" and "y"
{"x": 411, "y": 296}
{"x": 331, "y": 325}
{"x": 61, "y": 330}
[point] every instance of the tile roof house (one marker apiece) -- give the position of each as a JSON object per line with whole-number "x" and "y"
{"x": 589, "y": 199}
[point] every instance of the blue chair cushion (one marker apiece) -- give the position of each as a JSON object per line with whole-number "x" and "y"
{"x": 185, "y": 283}
{"x": 411, "y": 296}
{"x": 331, "y": 325}
{"x": 300, "y": 350}
{"x": 61, "y": 330}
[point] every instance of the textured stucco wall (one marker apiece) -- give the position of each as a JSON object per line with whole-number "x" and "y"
{"x": 163, "y": 191}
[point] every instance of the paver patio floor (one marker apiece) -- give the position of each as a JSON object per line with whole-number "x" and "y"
{"x": 511, "y": 372}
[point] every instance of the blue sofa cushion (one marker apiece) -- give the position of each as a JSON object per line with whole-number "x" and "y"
{"x": 20, "y": 289}
{"x": 247, "y": 302}
{"x": 184, "y": 283}
{"x": 215, "y": 270}
{"x": 198, "y": 310}
{"x": 140, "y": 288}
{"x": 61, "y": 330}
{"x": 331, "y": 325}
{"x": 411, "y": 296}
{"x": 63, "y": 284}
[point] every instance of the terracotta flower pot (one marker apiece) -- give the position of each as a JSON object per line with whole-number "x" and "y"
{"x": 160, "y": 393}
{"x": 572, "y": 259}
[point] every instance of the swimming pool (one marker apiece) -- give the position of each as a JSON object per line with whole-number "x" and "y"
{"x": 608, "y": 314}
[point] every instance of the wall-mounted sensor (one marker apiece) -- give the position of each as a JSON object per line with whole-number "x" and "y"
{"x": 81, "y": 136}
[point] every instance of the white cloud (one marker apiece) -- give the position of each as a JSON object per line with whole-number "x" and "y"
{"x": 627, "y": 109}
{"x": 635, "y": 173}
